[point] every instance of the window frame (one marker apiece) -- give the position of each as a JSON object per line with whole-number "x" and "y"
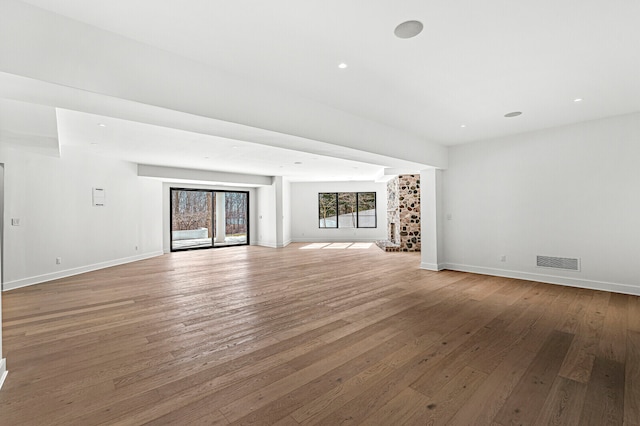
{"x": 357, "y": 210}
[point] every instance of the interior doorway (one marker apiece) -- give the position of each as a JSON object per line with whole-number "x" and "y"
{"x": 204, "y": 218}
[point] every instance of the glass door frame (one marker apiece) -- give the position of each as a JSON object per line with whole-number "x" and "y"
{"x": 213, "y": 218}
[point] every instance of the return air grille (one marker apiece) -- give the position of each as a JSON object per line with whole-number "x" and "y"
{"x": 567, "y": 263}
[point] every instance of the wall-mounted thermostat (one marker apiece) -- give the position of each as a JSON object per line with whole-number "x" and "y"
{"x": 98, "y": 197}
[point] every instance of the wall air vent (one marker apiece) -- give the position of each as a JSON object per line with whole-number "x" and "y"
{"x": 566, "y": 263}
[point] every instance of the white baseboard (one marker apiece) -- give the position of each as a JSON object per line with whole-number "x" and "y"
{"x": 3, "y": 371}
{"x": 271, "y": 244}
{"x": 267, "y": 244}
{"x": 432, "y": 266}
{"x": 24, "y": 282}
{"x": 549, "y": 279}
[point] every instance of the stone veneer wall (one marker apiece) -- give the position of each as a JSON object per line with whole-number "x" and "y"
{"x": 409, "y": 209}
{"x": 403, "y": 209}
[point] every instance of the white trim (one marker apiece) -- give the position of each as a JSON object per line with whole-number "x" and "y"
{"x": 272, "y": 245}
{"x": 24, "y": 282}
{"x": 432, "y": 266}
{"x": 3, "y": 371}
{"x": 549, "y": 279}
{"x": 266, "y": 244}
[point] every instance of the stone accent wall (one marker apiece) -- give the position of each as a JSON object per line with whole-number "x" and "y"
{"x": 409, "y": 212}
{"x": 403, "y": 214}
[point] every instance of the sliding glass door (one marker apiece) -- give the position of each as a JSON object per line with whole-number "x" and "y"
{"x": 203, "y": 218}
{"x": 232, "y": 218}
{"x": 191, "y": 219}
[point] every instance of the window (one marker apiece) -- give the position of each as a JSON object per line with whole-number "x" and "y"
{"x": 328, "y": 203}
{"x": 367, "y": 210}
{"x": 347, "y": 209}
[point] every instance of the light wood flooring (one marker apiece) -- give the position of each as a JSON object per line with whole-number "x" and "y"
{"x": 251, "y": 335}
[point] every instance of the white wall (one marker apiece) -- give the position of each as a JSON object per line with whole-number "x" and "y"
{"x": 304, "y": 212}
{"x": 266, "y": 211}
{"x": 568, "y": 192}
{"x": 166, "y": 194}
{"x": 3, "y": 361}
{"x": 52, "y": 197}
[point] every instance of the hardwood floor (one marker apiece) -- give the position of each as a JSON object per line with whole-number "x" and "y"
{"x": 250, "y": 335}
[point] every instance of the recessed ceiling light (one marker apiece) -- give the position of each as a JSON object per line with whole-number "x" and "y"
{"x": 342, "y": 65}
{"x": 408, "y": 29}
{"x": 235, "y": 147}
{"x": 513, "y": 114}
{"x": 102, "y": 125}
{"x": 463, "y": 125}
{"x": 577, "y": 100}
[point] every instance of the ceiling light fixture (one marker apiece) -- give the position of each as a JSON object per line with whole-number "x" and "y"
{"x": 408, "y": 29}
{"x": 463, "y": 125}
{"x": 342, "y": 65}
{"x": 513, "y": 114}
{"x": 102, "y": 125}
{"x": 577, "y": 100}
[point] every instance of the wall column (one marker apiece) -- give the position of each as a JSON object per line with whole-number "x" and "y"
{"x": 432, "y": 253}
{"x": 279, "y": 212}
{"x": 221, "y": 219}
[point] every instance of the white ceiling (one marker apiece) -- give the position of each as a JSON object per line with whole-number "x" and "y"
{"x": 474, "y": 62}
{"x": 162, "y": 146}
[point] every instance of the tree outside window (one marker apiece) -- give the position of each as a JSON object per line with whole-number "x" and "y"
{"x": 328, "y": 207}
{"x": 347, "y": 209}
